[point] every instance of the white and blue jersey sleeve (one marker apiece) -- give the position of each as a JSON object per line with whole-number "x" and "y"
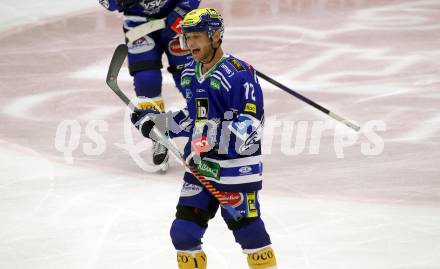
{"x": 246, "y": 103}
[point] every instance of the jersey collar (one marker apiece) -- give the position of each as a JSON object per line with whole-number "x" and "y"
{"x": 200, "y": 78}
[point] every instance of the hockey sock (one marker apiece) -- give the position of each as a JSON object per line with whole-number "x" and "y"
{"x": 191, "y": 259}
{"x": 262, "y": 258}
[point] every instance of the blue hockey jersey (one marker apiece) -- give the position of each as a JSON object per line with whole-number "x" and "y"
{"x": 155, "y": 9}
{"x": 225, "y": 108}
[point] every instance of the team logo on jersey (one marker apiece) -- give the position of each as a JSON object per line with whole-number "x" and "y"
{"x": 152, "y": 6}
{"x": 202, "y": 108}
{"x": 214, "y": 84}
{"x": 250, "y": 108}
{"x": 141, "y": 45}
{"x": 237, "y": 65}
{"x": 175, "y": 49}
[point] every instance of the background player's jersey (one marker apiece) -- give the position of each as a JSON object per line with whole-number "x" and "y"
{"x": 225, "y": 109}
{"x": 156, "y": 9}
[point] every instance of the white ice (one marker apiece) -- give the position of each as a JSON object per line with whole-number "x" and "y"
{"x": 104, "y": 211}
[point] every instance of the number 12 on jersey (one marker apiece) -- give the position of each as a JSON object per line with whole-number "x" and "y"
{"x": 249, "y": 89}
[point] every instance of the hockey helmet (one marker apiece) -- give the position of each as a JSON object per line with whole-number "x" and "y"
{"x": 203, "y": 20}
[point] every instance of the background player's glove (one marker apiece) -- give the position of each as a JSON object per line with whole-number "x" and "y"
{"x": 124, "y": 4}
{"x": 143, "y": 120}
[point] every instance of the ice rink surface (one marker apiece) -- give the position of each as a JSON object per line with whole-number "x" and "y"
{"x": 75, "y": 186}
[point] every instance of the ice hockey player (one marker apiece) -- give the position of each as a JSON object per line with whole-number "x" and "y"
{"x": 145, "y": 53}
{"x": 223, "y": 118}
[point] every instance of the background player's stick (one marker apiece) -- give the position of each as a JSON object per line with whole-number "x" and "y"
{"x": 144, "y": 29}
{"x": 112, "y": 76}
{"x": 308, "y": 101}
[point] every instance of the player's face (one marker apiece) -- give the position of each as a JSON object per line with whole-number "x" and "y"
{"x": 200, "y": 45}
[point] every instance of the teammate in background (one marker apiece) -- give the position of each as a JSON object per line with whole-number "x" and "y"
{"x": 224, "y": 119}
{"x": 145, "y": 53}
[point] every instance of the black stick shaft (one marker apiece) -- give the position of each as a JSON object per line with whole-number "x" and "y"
{"x": 308, "y": 101}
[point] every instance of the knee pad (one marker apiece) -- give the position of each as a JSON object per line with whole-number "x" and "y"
{"x": 148, "y": 83}
{"x": 253, "y": 235}
{"x": 197, "y": 215}
{"x": 186, "y": 235}
{"x": 262, "y": 258}
{"x": 192, "y": 259}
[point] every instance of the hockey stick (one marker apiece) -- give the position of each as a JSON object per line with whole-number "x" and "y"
{"x": 144, "y": 29}
{"x": 112, "y": 76}
{"x": 308, "y": 101}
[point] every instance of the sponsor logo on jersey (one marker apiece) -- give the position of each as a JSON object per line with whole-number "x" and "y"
{"x": 240, "y": 128}
{"x": 214, "y": 84}
{"x": 104, "y": 3}
{"x": 188, "y": 94}
{"x": 198, "y": 127}
{"x": 245, "y": 170}
{"x": 190, "y": 190}
{"x": 235, "y": 199}
{"x": 250, "y": 108}
{"x": 236, "y": 64}
{"x": 251, "y": 201}
{"x": 177, "y": 27}
{"x": 201, "y": 145}
{"x": 185, "y": 81}
{"x": 209, "y": 169}
{"x": 141, "y": 45}
{"x": 175, "y": 49}
{"x": 202, "y": 108}
{"x": 227, "y": 70}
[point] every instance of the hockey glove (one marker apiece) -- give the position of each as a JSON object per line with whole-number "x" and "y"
{"x": 143, "y": 120}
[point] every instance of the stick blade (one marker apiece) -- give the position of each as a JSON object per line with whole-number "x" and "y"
{"x": 116, "y": 63}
